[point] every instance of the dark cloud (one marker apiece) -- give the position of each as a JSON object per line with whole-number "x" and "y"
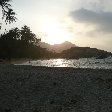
{"x": 102, "y": 20}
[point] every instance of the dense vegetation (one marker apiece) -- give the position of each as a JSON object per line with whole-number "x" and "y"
{"x": 21, "y": 44}
{"x": 7, "y": 12}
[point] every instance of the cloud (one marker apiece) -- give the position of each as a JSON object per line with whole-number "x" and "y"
{"x": 96, "y": 5}
{"x": 102, "y": 21}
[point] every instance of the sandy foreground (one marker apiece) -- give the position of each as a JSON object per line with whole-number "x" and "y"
{"x": 42, "y": 89}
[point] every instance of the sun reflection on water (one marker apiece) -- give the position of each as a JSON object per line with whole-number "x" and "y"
{"x": 60, "y": 63}
{"x": 80, "y": 63}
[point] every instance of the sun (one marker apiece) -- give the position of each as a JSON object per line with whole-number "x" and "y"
{"x": 54, "y": 33}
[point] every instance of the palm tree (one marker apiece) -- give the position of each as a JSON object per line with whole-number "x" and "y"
{"x": 10, "y": 16}
{"x": 14, "y": 34}
{"x": 25, "y": 32}
{"x": 7, "y": 11}
{"x": 28, "y": 36}
{"x": 5, "y": 4}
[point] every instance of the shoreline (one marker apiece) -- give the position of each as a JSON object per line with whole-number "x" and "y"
{"x": 25, "y": 88}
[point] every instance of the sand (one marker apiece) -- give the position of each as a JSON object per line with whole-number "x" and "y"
{"x": 42, "y": 89}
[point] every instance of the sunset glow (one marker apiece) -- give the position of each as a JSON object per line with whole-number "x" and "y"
{"x": 82, "y": 22}
{"x": 54, "y": 34}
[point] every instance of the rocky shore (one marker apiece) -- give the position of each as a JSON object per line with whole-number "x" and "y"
{"x": 43, "y": 89}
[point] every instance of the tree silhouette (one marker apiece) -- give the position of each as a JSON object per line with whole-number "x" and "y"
{"x": 5, "y": 4}
{"x": 7, "y": 11}
{"x": 16, "y": 33}
{"x": 10, "y": 16}
{"x": 28, "y": 36}
{"x": 19, "y": 43}
{"x": 13, "y": 34}
{"x": 25, "y": 34}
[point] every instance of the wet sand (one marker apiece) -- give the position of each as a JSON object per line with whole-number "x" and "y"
{"x": 43, "y": 89}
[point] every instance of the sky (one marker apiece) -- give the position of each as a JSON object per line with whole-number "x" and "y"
{"x": 86, "y": 23}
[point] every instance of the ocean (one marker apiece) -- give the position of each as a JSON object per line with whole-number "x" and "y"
{"x": 75, "y": 63}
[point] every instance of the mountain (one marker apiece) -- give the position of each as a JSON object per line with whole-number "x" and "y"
{"x": 57, "y": 47}
{"x": 84, "y": 52}
{"x": 71, "y": 51}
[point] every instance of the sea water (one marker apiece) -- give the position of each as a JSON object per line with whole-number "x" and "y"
{"x": 76, "y": 63}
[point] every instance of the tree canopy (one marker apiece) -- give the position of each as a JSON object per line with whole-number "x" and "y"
{"x": 20, "y": 43}
{"x": 25, "y": 35}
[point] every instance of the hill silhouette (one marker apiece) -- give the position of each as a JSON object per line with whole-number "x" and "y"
{"x": 57, "y": 47}
{"x": 23, "y": 43}
{"x": 84, "y": 52}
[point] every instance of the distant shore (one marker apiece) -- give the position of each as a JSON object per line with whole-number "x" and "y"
{"x": 43, "y": 89}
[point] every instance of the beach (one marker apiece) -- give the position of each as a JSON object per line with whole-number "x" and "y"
{"x": 46, "y": 89}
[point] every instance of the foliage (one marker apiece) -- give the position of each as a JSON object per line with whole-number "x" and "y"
{"x": 7, "y": 11}
{"x": 27, "y": 35}
{"x": 21, "y": 44}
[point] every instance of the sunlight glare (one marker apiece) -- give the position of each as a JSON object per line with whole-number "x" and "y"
{"x": 55, "y": 34}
